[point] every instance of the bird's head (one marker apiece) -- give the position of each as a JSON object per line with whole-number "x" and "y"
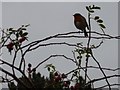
{"x": 77, "y": 14}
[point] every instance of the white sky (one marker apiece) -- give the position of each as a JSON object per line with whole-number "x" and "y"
{"x": 51, "y": 18}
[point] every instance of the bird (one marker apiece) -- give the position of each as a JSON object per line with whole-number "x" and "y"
{"x": 80, "y": 23}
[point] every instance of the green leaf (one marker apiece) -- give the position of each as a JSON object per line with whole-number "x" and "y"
{"x": 25, "y": 34}
{"x": 96, "y": 18}
{"x": 100, "y": 21}
{"x": 102, "y": 26}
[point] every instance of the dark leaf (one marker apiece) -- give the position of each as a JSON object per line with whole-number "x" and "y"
{"x": 22, "y": 25}
{"x": 87, "y": 8}
{"x": 96, "y": 17}
{"x": 23, "y": 28}
{"x": 10, "y": 29}
{"x": 17, "y": 35}
{"x": 91, "y": 11}
{"x": 48, "y": 68}
{"x": 10, "y": 32}
{"x": 25, "y": 34}
{"x": 102, "y": 26}
{"x": 53, "y": 67}
{"x": 27, "y": 38}
{"x": 100, "y": 21}
{"x": 103, "y": 30}
{"x": 96, "y": 7}
{"x": 19, "y": 29}
{"x": 21, "y": 33}
{"x": 27, "y": 25}
{"x": 78, "y": 57}
{"x": 90, "y": 7}
{"x": 16, "y": 46}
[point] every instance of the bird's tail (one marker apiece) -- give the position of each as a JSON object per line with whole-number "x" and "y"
{"x": 85, "y": 33}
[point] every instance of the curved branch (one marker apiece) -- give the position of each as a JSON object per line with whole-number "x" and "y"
{"x": 17, "y": 69}
{"x": 101, "y": 71}
{"x": 52, "y": 56}
{"x": 13, "y": 76}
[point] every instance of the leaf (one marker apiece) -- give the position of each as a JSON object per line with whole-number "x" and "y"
{"x": 103, "y": 30}
{"x": 19, "y": 29}
{"x": 96, "y": 7}
{"x": 17, "y": 35}
{"x": 102, "y": 26}
{"x": 91, "y": 11}
{"x": 53, "y": 67}
{"x": 100, "y": 21}
{"x": 96, "y": 18}
{"x": 23, "y": 28}
{"x": 10, "y": 29}
{"x": 10, "y": 32}
{"x": 22, "y": 25}
{"x": 48, "y": 68}
{"x": 25, "y": 34}
{"x": 21, "y": 33}
{"x": 87, "y": 8}
{"x": 27, "y": 25}
{"x": 90, "y": 7}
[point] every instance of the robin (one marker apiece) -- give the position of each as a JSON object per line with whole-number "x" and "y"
{"x": 81, "y": 23}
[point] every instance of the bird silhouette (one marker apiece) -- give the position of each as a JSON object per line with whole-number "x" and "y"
{"x": 80, "y": 23}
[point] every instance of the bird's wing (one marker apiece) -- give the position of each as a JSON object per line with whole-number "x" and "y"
{"x": 84, "y": 22}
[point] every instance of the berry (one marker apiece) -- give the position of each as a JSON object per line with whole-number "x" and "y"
{"x": 22, "y": 39}
{"x": 65, "y": 84}
{"x": 72, "y": 88}
{"x": 58, "y": 78}
{"x": 10, "y": 47}
{"x": 77, "y": 85}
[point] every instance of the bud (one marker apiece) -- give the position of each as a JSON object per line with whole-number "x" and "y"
{"x": 56, "y": 73}
{"x": 10, "y": 47}
{"x": 29, "y": 65}
{"x": 64, "y": 76}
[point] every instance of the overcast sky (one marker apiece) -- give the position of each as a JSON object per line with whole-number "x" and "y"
{"x": 49, "y": 18}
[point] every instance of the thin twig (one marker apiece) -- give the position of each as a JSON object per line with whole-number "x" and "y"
{"x": 101, "y": 70}
{"x": 53, "y": 56}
